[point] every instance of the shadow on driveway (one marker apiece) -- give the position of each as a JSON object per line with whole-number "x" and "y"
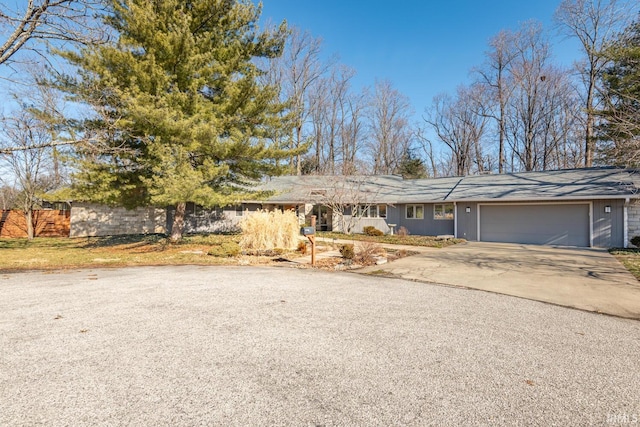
{"x": 587, "y": 279}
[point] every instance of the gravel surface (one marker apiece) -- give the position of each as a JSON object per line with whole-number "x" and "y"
{"x": 246, "y": 346}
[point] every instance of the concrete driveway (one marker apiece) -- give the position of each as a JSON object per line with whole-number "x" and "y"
{"x": 233, "y": 346}
{"x": 588, "y": 279}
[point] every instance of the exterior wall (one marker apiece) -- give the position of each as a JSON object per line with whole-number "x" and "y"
{"x": 467, "y": 222}
{"x": 633, "y": 219}
{"x": 47, "y": 223}
{"x": 379, "y": 223}
{"x": 359, "y": 223}
{"x": 99, "y": 220}
{"x": 198, "y": 220}
{"x": 428, "y": 226}
{"x": 608, "y": 227}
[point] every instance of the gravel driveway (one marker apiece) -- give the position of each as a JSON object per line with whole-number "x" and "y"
{"x": 185, "y": 346}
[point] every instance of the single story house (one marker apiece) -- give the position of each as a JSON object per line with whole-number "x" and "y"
{"x": 591, "y": 207}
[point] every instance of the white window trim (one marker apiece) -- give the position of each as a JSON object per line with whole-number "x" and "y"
{"x": 414, "y": 211}
{"x": 435, "y": 218}
{"x": 374, "y": 211}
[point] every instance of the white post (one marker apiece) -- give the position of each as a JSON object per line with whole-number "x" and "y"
{"x": 455, "y": 220}
{"x": 625, "y": 221}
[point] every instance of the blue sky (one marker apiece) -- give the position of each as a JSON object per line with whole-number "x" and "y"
{"x": 423, "y": 47}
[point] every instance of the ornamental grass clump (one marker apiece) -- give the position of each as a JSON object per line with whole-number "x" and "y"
{"x": 268, "y": 230}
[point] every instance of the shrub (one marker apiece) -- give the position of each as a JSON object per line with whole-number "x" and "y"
{"x": 302, "y": 247}
{"x": 370, "y": 230}
{"x": 347, "y": 251}
{"x": 367, "y": 252}
{"x": 402, "y": 231}
{"x": 264, "y": 230}
{"x": 226, "y": 249}
{"x": 635, "y": 241}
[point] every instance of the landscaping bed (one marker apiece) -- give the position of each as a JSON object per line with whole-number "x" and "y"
{"x": 426, "y": 241}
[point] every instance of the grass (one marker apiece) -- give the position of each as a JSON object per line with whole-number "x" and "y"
{"x": 116, "y": 251}
{"x": 52, "y": 253}
{"x": 630, "y": 258}
{"x": 428, "y": 241}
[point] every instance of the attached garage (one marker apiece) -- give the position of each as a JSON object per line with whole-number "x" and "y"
{"x": 540, "y": 224}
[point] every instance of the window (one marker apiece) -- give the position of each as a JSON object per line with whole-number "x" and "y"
{"x": 415, "y": 212}
{"x": 382, "y": 211}
{"x": 239, "y": 210}
{"x": 375, "y": 211}
{"x": 443, "y": 211}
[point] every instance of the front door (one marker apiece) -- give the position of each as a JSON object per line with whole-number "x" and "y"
{"x": 323, "y": 217}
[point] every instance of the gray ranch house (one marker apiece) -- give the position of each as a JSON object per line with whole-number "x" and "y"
{"x": 592, "y": 207}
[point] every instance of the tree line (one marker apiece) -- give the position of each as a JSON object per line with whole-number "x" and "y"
{"x": 521, "y": 111}
{"x": 166, "y": 102}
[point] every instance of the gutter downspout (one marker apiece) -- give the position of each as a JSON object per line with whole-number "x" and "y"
{"x": 625, "y": 221}
{"x": 455, "y": 220}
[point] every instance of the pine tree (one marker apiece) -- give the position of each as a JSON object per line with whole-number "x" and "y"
{"x": 621, "y": 96}
{"x": 178, "y": 100}
{"x": 411, "y": 167}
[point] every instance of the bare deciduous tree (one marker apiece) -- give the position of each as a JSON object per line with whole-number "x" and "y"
{"x": 426, "y": 147}
{"x": 391, "y": 131}
{"x": 594, "y": 23}
{"x": 30, "y": 168}
{"x": 494, "y": 75}
{"x": 46, "y": 20}
{"x": 8, "y": 197}
{"x": 337, "y": 120}
{"x": 542, "y": 116}
{"x": 458, "y": 124}
{"x": 295, "y": 73}
{"x": 348, "y": 198}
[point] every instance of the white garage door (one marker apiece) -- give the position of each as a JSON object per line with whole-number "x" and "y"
{"x": 551, "y": 224}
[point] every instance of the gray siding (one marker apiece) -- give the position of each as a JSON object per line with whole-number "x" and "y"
{"x": 467, "y": 222}
{"x": 428, "y": 226}
{"x": 608, "y": 228}
{"x": 393, "y": 216}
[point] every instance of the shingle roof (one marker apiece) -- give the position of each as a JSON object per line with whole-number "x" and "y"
{"x": 310, "y": 188}
{"x": 588, "y": 183}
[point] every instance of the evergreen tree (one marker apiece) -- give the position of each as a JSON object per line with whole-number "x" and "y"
{"x": 621, "y": 96}
{"x": 411, "y": 167}
{"x": 179, "y": 104}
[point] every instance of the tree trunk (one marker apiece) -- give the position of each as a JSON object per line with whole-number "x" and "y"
{"x": 178, "y": 222}
{"x": 28, "y": 216}
{"x": 589, "y": 140}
